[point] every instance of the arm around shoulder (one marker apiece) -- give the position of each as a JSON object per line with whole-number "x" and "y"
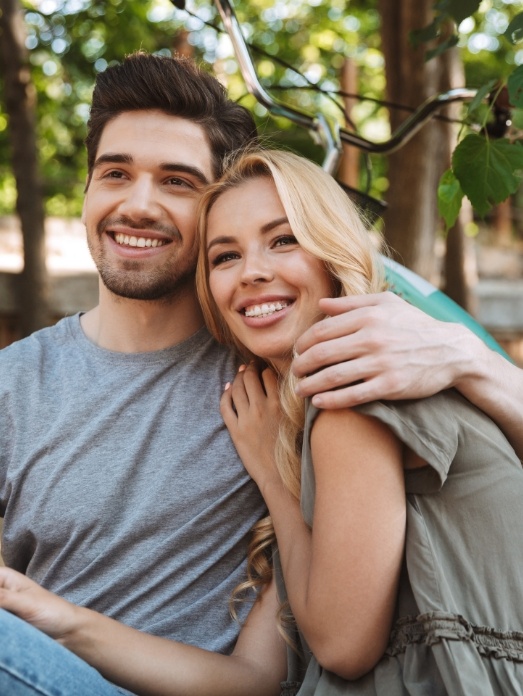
{"x": 494, "y": 385}
{"x": 381, "y": 347}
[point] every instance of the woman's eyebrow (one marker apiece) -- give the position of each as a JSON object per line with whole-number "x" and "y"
{"x": 263, "y": 229}
{"x": 221, "y": 240}
{"x": 274, "y": 223}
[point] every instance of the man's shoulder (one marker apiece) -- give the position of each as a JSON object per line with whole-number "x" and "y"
{"x": 39, "y": 342}
{"x": 212, "y": 352}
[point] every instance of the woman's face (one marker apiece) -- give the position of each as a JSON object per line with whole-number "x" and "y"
{"x": 265, "y": 285}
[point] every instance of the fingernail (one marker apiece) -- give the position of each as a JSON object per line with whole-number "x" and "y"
{"x": 242, "y": 368}
{"x": 227, "y": 386}
{"x": 317, "y": 401}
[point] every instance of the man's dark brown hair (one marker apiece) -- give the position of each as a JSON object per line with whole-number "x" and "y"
{"x": 176, "y": 86}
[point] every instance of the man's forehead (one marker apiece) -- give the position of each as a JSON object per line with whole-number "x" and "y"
{"x": 158, "y": 136}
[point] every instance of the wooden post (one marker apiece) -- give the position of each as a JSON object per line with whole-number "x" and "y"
{"x": 503, "y": 222}
{"x": 348, "y": 171}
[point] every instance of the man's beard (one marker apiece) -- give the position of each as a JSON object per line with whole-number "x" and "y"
{"x": 130, "y": 280}
{"x": 140, "y": 285}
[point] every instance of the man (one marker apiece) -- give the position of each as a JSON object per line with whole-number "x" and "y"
{"x": 119, "y": 486}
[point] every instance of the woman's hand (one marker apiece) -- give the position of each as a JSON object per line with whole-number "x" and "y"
{"x": 42, "y": 609}
{"x": 250, "y": 408}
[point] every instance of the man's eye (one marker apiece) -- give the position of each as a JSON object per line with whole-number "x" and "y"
{"x": 224, "y": 257}
{"x": 113, "y": 174}
{"x": 176, "y": 181}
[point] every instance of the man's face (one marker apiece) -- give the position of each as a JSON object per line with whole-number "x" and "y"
{"x": 140, "y": 206}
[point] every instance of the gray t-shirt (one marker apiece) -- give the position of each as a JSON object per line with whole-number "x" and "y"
{"x": 120, "y": 487}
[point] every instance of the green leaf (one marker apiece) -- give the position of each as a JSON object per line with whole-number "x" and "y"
{"x": 480, "y": 96}
{"x": 421, "y": 36}
{"x": 514, "y": 31}
{"x": 515, "y": 87}
{"x": 451, "y": 41}
{"x": 461, "y": 9}
{"x": 450, "y": 195}
{"x": 457, "y": 9}
{"x": 488, "y": 170}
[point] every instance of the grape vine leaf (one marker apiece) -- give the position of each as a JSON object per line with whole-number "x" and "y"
{"x": 488, "y": 170}
{"x": 457, "y": 9}
{"x": 514, "y": 31}
{"x": 450, "y": 195}
{"x": 481, "y": 95}
{"x": 515, "y": 87}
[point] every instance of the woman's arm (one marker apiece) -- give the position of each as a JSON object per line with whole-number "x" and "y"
{"x": 342, "y": 576}
{"x": 152, "y": 666}
{"x": 381, "y": 347}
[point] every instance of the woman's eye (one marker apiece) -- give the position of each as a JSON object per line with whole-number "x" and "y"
{"x": 224, "y": 257}
{"x": 285, "y": 240}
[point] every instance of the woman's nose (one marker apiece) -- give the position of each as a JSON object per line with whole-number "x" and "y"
{"x": 256, "y": 268}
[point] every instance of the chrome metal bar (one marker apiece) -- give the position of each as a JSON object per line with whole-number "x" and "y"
{"x": 233, "y": 29}
{"x": 322, "y": 129}
{"x": 411, "y": 125}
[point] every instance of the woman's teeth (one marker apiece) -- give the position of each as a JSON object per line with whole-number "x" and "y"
{"x": 126, "y": 240}
{"x": 265, "y": 310}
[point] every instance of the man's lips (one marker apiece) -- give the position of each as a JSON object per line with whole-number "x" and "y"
{"x": 137, "y": 240}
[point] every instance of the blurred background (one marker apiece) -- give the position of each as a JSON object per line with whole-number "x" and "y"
{"x": 361, "y": 62}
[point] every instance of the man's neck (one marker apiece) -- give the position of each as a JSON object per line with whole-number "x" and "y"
{"x": 136, "y": 326}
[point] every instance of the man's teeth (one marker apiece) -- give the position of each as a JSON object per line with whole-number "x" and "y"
{"x": 265, "y": 310}
{"x": 126, "y": 240}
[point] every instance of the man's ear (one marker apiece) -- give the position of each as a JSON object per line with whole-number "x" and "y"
{"x": 85, "y": 198}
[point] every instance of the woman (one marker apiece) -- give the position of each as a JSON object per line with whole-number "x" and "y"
{"x": 434, "y": 609}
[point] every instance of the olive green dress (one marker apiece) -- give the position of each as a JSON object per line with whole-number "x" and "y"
{"x": 458, "y": 626}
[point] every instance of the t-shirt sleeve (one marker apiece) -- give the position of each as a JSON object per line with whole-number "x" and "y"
{"x": 430, "y": 427}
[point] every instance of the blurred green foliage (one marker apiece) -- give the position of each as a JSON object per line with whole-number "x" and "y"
{"x": 69, "y": 41}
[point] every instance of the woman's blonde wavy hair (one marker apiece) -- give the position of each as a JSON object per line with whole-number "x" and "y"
{"x": 327, "y": 225}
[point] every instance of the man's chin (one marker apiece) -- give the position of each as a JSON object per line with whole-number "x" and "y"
{"x": 164, "y": 291}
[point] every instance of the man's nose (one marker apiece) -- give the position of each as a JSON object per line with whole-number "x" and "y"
{"x": 141, "y": 200}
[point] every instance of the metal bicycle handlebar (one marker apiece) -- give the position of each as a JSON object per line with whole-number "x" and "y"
{"x": 329, "y": 134}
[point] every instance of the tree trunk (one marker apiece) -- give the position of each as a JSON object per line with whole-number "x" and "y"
{"x": 33, "y": 286}
{"x": 411, "y": 220}
{"x": 459, "y": 266}
{"x": 348, "y": 171}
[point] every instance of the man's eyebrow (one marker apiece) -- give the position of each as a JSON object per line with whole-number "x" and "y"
{"x": 264, "y": 229}
{"x": 112, "y": 158}
{"x": 121, "y": 158}
{"x": 186, "y": 169}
